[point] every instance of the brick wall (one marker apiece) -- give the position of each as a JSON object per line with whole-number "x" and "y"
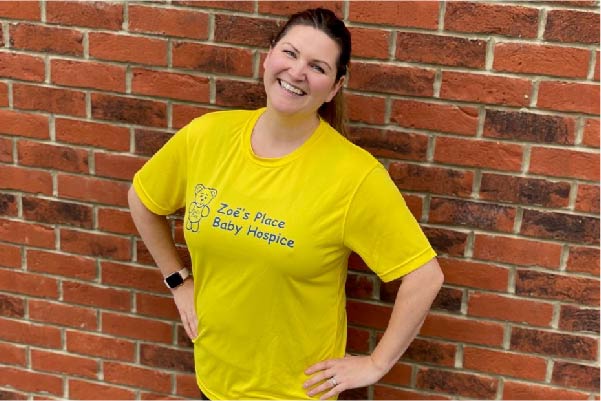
{"x": 486, "y": 116}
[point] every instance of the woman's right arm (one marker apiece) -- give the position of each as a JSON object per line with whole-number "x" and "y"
{"x": 155, "y": 232}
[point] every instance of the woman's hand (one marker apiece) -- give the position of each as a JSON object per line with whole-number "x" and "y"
{"x": 184, "y": 300}
{"x": 333, "y": 376}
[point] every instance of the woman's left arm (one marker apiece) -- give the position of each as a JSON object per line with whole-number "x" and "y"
{"x": 414, "y": 298}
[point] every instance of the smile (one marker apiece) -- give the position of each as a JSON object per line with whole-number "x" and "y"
{"x": 290, "y": 88}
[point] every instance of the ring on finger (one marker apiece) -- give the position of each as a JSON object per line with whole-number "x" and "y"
{"x": 333, "y": 381}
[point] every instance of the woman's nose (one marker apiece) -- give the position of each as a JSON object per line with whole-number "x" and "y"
{"x": 297, "y": 70}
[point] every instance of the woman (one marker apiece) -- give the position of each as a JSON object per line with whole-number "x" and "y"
{"x": 276, "y": 199}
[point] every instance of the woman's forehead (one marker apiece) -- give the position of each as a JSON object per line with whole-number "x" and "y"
{"x": 312, "y": 41}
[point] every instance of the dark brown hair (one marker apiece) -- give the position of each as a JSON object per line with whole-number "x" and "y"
{"x": 334, "y": 111}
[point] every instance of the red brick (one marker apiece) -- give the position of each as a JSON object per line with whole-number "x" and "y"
{"x": 500, "y": 307}
{"x": 185, "y": 385}
{"x": 368, "y": 43}
{"x": 393, "y": 393}
{"x": 287, "y": 8}
{"x": 166, "y": 358}
{"x": 61, "y": 264}
{"x": 587, "y": 198}
{"x": 148, "y": 142}
{"x": 521, "y": 22}
{"x": 26, "y": 180}
{"x": 182, "y": 114}
{"x": 57, "y": 212}
{"x": 392, "y": 79}
{"x": 479, "y": 215}
{"x": 578, "y": 319}
{"x": 64, "y": 315}
{"x": 117, "y": 166}
{"x": 175, "y": 86}
{"x": 440, "y": 50}
{"x": 590, "y": 134}
{"x": 156, "y": 306}
{"x": 129, "y": 110}
{"x": 517, "y": 251}
{"x": 366, "y": 109}
{"x": 8, "y": 205}
{"x": 478, "y": 153}
{"x": 421, "y": 350}
{"x": 138, "y": 377}
{"x": 529, "y": 127}
{"x": 359, "y": 286}
{"x": 84, "y": 390}
{"x": 245, "y": 30}
{"x": 170, "y": 22}
{"x": 463, "y": 384}
{"x": 449, "y": 242}
{"x": 143, "y": 278}
{"x": 537, "y": 284}
{"x": 23, "y": 124}
{"x": 3, "y": 93}
{"x": 102, "y": 15}
{"x": 46, "y": 39}
{"x": 11, "y": 395}
{"x": 12, "y": 306}
{"x": 415, "y": 205}
{"x": 12, "y": 354}
{"x": 100, "y": 297}
{"x": 481, "y": 88}
{"x": 559, "y": 226}
{"x": 504, "y": 363}
{"x": 90, "y": 189}
{"x": 22, "y": 10}
{"x": 100, "y": 346}
{"x": 477, "y": 275}
{"x": 391, "y": 144}
{"x": 86, "y": 133}
{"x": 115, "y": 221}
{"x": 584, "y": 260}
{"x": 28, "y": 234}
{"x": 6, "y": 150}
{"x": 564, "y": 163}
{"x": 579, "y": 376}
{"x": 63, "y": 363}
{"x": 155, "y": 396}
{"x": 98, "y": 245}
{"x": 239, "y": 94}
{"x": 541, "y": 59}
{"x": 31, "y": 381}
{"x": 528, "y": 391}
{"x": 370, "y": 315}
{"x": 572, "y": 26}
{"x": 50, "y": 156}
{"x": 21, "y": 66}
{"x": 242, "y": 5}
{"x": 464, "y": 330}
{"x": 134, "y": 49}
{"x": 399, "y": 374}
{"x": 207, "y": 59}
{"x": 357, "y": 340}
{"x": 53, "y": 100}
{"x": 431, "y": 179}
{"x": 416, "y": 14}
{"x": 137, "y": 328}
{"x": 88, "y": 75}
{"x": 32, "y": 334}
{"x": 596, "y": 71}
{"x": 21, "y": 283}
{"x": 11, "y": 256}
{"x": 435, "y": 117}
{"x": 569, "y": 96}
{"x": 529, "y": 191}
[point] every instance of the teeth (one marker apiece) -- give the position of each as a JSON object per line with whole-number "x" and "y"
{"x": 291, "y": 88}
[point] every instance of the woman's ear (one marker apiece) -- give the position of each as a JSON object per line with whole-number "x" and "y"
{"x": 337, "y": 86}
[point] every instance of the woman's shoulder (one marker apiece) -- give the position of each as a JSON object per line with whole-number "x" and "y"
{"x": 223, "y": 118}
{"x": 345, "y": 151}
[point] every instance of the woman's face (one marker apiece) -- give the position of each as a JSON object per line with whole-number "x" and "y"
{"x": 300, "y": 71}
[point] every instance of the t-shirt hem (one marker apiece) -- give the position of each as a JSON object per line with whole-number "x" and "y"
{"x": 407, "y": 267}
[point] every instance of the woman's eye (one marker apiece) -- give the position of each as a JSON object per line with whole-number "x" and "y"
{"x": 289, "y": 53}
{"x": 318, "y": 68}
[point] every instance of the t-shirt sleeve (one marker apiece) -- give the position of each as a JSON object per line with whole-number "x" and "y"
{"x": 161, "y": 182}
{"x": 380, "y": 228}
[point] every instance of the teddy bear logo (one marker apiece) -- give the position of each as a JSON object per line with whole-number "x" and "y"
{"x": 199, "y": 206}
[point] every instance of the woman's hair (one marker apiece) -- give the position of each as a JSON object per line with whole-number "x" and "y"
{"x": 334, "y": 111}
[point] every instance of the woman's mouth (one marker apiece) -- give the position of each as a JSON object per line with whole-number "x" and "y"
{"x": 291, "y": 88}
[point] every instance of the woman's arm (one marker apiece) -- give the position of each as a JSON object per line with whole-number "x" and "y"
{"x": 413, "y": 301}
{"x": 155, "y": 232}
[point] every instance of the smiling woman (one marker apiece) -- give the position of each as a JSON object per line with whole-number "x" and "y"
{"x": 268, "y": 317}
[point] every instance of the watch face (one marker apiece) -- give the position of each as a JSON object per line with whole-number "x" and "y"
{"x": 174, "y": 280}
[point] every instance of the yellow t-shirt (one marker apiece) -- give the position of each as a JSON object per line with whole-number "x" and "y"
{"x": 269, "y": 241}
